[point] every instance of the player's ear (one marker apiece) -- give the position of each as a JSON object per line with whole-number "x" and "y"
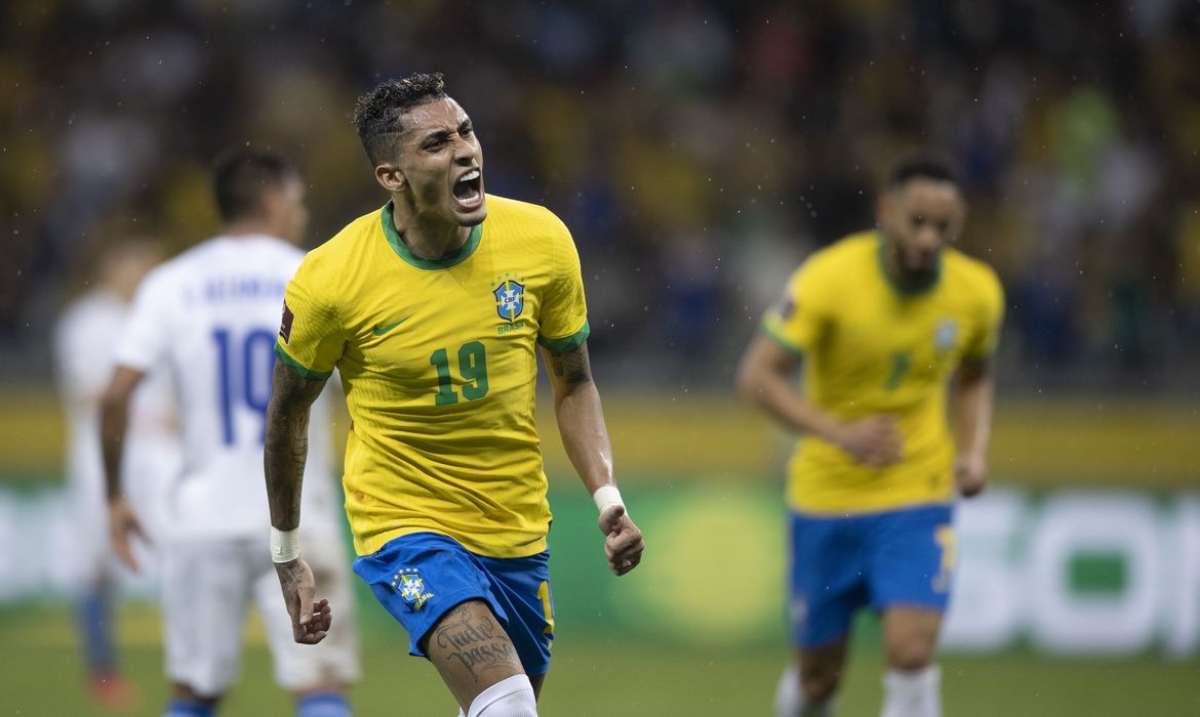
{"x": 390, "y": 178}
{"x": 881, "y": 208}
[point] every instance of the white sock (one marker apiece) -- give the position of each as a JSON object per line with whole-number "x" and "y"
{"x": 790, "y": 700}
{"x": 914, "y": 693}
{"x": 511, "y": 697}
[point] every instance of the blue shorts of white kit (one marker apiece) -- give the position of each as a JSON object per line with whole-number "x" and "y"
{"x": 420, "y": 577}
{"x": 842, "y": 564}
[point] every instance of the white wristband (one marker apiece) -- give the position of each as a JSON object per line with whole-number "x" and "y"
{"x": 606, "y": 496}
{"x": 285, "y": 545}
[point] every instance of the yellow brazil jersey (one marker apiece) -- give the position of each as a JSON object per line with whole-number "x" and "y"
{"x": 870, "y": 348}
{"x": 438, "y": 362}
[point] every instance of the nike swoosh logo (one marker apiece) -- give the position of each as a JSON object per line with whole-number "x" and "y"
{"x": 384, "y": 328}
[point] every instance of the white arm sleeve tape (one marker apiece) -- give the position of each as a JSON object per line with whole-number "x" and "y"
{"x": 607, "y": 496}
{"x": 285, "y": 545}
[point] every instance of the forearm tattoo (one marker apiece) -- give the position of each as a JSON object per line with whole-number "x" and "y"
{"x": 477, "y": 645}
{"x": 285, "y": 446}
{"x": 572, "y": 365}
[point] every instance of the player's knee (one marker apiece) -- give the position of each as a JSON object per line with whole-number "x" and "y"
{"x": 510, "y": 697}
{"x": 819, "y": 683}
{"x": 819, "y": 691}
{"x": 910, "y": 655}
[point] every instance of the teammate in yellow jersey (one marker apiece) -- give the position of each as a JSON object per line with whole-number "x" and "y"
{"x": 431, "y": 309}
{"x": 882, "y": 322}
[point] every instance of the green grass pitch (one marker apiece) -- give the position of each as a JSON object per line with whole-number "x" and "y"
{"x": 40, "y": 675}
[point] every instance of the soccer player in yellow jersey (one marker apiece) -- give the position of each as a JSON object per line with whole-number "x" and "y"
{"x": 883, "y": 322}
{"x": 432, "y": 309}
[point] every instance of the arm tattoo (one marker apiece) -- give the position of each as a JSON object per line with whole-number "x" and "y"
{"x": 285, "y": 447}
{"x": 572, "y": 365}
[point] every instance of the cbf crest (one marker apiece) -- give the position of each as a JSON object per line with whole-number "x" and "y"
{"x": 945, "y": 336}
{"x": 510, "y": 298}
{"x": 411, "y": 587}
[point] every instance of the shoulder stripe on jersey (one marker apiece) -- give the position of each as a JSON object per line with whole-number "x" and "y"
{"x": 573, "y": 341}
{"x": 300, "y": 370}
{"x": 781, "y": 341}
{"x": 979, "y": 358}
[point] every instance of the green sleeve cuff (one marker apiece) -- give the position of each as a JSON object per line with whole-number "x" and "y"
{"x": 300, "y": 370}
{"x": 573, "y": 341}
{"x": 781, "y": 341}
{"x": 978, "y": 358}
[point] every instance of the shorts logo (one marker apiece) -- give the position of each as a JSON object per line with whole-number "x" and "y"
{"x": 285, "y": 326}
{"x": 411, "y": 587}
{"x": 510, "y": 299}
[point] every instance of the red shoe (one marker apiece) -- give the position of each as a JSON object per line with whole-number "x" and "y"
{"x": 115, "y": 693}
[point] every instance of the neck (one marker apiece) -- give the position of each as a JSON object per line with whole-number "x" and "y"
{"x": 247, "y": 227}
{"x": 122, "y": 290}
{"x": 906, "y": 281}
{"x": 428, "y": 235}
{"x": 896, "y": 273}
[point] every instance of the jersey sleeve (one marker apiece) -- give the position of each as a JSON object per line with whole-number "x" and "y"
{"x": 986, "y": 336}
{"x": 563, "y": 319}
{"x": 796, "y": 319}
{"x": 80, "y": 376}
{"x": 147, "y": 334}
{"x": 311, "y": 338}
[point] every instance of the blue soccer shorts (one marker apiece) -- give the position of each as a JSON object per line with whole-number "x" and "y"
{"x": 418, "y": 578}
{"x": 842, "y": 564}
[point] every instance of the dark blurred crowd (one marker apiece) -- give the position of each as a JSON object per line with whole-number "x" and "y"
{"x": 697, "y": 150}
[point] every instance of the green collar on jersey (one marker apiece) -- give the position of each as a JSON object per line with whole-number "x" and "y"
{"x": 396, "y": 242}
{"x": 891, "y": 281}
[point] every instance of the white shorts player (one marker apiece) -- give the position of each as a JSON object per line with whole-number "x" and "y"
{"x": 212, "y": 315}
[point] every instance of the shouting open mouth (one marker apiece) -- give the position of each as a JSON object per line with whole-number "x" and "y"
{"x": 468, "y": 190}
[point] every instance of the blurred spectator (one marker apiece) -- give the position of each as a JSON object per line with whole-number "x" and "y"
{"x": 1071, "y": 124}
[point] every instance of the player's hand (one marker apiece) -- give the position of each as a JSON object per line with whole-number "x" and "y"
{"x": 874, "y": 442}
{"x": 970, "y": 472}
{"x": 623, "y": 544}
{"x": 310, "y": 620}
{"x": 123, "y": 524}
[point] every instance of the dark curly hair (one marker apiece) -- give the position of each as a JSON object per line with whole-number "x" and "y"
{"x": 377, "y": 113}
{"x": 923, "y": 164}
